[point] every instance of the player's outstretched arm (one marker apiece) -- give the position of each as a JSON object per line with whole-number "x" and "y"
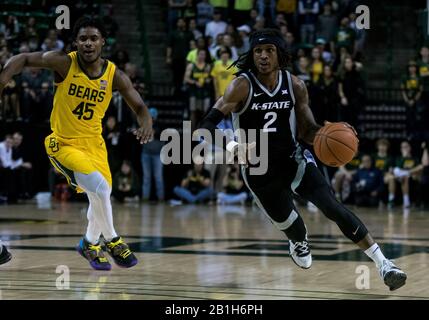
{"x": 307, "y": 126}
{"x": 57, "y": 61}
{"x": 123, "y": 84}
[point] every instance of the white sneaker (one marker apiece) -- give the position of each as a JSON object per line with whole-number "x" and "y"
{"x": 392, "y": 276}
{"x": 400, "y": 173}
{"x": 300, "y": 253}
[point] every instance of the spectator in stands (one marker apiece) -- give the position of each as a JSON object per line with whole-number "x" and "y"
{"x": 24, "y": 167}
{"x": 290, "y": 44}
{"x": 406, "y": 171}
{"x": 425, "y": 176}
{"x": 189, "y": 11}
{"x": 204, "y": 14}
{"x": 367, "y": 184}
{"x": 262, "y": 4}
{"x": 111, "y": 29}
{"x": 283, "y": 30}
{"x": 214, "y": 46}
{"x": 113, "y": 138}
{"x": 423, "y": 64}
{"x": 352, "y": 92}
{"x": 281, "y": 22}
{"x": 10, "y": 103}
{"x": 131, "y": 71}
{"x": 288, "y": 8}
{"x": 44, "y": 100}
{"x": 197, "y": 78}
{"x": 385, "y": 162}
{"x": 308, "y": 11}
{"x": 227, "y": 42}
{"x": 325, "y": 93}
{"x": 121, "y": 58}
{"x": 221, "y": 73}
{"x": 8, "y": 171}
{"x": 5, "y": 54}
{"x": 231, "y": 31}
{"x": 327, "y": 24}
{"x": 241, "y": 11}
{"x": 175, "y": 9}
{"x": 244, "y": 32}
{"x": 30, "y": 28}
{"x": 360, "y": 37}
{"x": 10, "y": 29}
{"x": 412, "y": 88}
{"x": 216, "y": 26}
{"x": 316, "y": 65}
{"x": 221, "y": 6}
{"x": 253, "y": 15}
{"x": 201, "y": 44}
{"x": 27, "y": 99}
{"x": 33, "y": 43}
{"x": 344, "y": 177}
{"x": 35, "y": 77}
{"x": 234, "y": 191}
{"x": 327, "y": 55}
{"x": 302, "y": 70}
{"x": 52, "y": 43}
{"x": 345, "y": 37}
{"x": 192, "y": 26}
{"x": 259, "y": 24}
{"x": 195, "y": 187}
{"x": 126, "y": 183}
{"x": 178, "y": 48}
{"x": 151, "y": 162}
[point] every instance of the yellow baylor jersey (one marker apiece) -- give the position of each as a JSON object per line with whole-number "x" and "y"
{"x": 80, "y": 101}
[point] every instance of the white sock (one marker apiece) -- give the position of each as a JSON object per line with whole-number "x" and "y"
{"x": 374, "y": 252}
{"x": 98, "y": 191}
{"x": 406, "y": 200}
{"x": 93, "y": 231}
{"x": 391, "y": 197}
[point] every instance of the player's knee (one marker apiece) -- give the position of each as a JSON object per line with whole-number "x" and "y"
{"x": 103, "y": 190}
{"x": 93, "y": 183}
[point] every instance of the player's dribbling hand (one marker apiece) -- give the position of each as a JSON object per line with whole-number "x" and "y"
{"x": 348, "y": 125}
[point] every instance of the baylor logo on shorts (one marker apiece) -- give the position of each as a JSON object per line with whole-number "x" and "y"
{"x": 53, "y": 145}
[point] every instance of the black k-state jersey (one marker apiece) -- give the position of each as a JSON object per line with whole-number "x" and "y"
{"x": 272, "y": 113}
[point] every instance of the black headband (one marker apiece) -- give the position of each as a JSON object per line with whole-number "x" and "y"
{"x": 266, "y": 39}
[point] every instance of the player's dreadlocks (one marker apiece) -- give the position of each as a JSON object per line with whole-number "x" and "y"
{"x": 265, "y": 36}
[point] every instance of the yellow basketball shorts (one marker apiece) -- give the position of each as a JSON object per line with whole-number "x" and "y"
{"x": 83, "y": 155}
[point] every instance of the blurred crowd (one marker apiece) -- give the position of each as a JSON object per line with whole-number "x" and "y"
{"x": 204, "y": 38}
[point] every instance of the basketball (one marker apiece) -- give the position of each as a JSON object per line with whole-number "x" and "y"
{"x": 335, "y": 144}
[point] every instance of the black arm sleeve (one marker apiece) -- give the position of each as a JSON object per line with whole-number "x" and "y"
{"x": 210, "y": 122}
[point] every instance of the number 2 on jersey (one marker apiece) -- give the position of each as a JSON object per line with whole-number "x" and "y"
{"x": 84, "y": 111}
{"x": 272, "y": 116}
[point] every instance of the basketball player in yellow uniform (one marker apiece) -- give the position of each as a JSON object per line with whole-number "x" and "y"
{"x": 84, "y": 82}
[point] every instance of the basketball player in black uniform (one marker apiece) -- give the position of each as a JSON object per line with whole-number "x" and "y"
{"x": 5, "y": 255}
{"x": 266, "y": 96}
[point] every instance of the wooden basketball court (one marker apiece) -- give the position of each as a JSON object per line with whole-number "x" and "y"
{"x": 206, "y": 252}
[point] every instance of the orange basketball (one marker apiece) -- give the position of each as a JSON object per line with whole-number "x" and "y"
{"x": 335, "y": 144}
